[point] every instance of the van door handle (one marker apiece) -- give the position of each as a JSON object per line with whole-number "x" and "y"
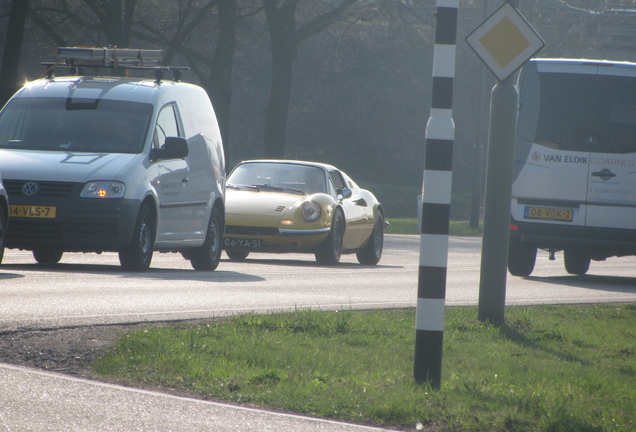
{"x": 185, "y": 180}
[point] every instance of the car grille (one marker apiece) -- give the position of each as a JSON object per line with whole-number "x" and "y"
{"x": 46, "y": 189}
{"x": 251, "y": 230}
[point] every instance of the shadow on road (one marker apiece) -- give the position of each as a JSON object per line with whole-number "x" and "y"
{"x": 309, "y": 263}
{"x": 595, "y": 282}
{"x": 152, "y": 273}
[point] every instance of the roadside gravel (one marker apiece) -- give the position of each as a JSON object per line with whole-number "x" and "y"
{"x": 69, "y": 351}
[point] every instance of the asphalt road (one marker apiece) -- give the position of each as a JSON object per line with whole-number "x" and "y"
{"x": 89, "y": 289}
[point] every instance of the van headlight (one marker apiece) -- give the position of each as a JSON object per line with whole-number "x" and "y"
{"x": 310, "y": 211}
{"x": 103, "y": 189}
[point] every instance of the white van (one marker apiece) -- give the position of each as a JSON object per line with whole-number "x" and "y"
{"x": 574, "y": 183}
{"x": 103, "y": 163}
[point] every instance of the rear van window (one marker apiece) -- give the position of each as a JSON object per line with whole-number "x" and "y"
{"x": 579, "y": 112}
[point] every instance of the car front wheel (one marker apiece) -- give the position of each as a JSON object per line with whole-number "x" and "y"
{"x": 138, "y": 255}
{"x": 330, "y": 250}
{"x": 47, "y": 257}
{"x": 372, "y": 252}
{"x": 207, "y": 257}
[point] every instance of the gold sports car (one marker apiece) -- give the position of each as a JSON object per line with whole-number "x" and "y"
{"x": 294, "y": 206}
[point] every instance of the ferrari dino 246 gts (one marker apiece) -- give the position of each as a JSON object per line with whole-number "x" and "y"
{"x": 305, "y": 207}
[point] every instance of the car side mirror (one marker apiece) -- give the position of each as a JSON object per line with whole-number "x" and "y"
{"x": 174, "y": 148}
{"x": 346, "y": 193}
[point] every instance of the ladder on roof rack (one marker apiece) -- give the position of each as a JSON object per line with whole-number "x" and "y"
{"x": 114, "y": 58}
{"x": 110, "y": 57}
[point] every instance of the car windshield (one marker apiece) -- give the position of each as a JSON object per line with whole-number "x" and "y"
{"x": 265, "y": 177}
{"x": 83, "y": 125}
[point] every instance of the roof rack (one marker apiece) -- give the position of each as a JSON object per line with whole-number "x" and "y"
{"x": 114, "y": 58}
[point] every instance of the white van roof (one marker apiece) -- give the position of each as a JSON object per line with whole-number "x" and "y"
{"x": 111, "y": 88}
{"x": 563, "y": 65}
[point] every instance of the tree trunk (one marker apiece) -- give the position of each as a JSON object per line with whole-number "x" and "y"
{"x": 284, "y": 41}
{"x": 219, "y": 85}
{"x": 13, "y": 44}
{"x": 277, "y": 109}
{"x": 285, "y": 38}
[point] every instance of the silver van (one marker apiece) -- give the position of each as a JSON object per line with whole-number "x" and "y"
{"x": 109, "y": 163}
{"x": 574, "y": 187}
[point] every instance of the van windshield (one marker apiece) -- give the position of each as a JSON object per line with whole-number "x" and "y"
{"x": 580, "y": 112}
{"x": 81, "y": 125}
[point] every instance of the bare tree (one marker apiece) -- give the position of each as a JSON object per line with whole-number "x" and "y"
{"x": 108, "y": 22}
{"x": 219, "y": 84}
{"x": 12, "y": 46}
{"x": 284, "y": 39}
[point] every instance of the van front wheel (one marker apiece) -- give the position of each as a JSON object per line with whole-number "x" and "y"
{"x": 521, "y": 258}
{"x": 138, "y": 255}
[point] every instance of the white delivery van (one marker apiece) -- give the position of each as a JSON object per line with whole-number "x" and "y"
{"x": 107, "y": 163}
{"x": 574, "y": 187}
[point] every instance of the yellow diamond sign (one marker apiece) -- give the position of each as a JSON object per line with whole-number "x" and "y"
{"x": 505, "y": 41}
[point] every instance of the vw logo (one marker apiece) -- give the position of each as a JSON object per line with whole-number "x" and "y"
{"x": 591, "y": 140}
{"x": 30, "y": 188}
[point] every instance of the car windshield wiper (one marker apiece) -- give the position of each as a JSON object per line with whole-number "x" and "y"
{"x": 239, "y": 187}
{"x": 279, "y": 188}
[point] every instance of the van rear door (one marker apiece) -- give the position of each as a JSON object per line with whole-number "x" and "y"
{"x": 575, "y": 157}
{"x": 612, "y": 178}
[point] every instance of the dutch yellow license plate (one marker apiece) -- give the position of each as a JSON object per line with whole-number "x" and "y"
{"x": 557, "y": 214}
{"x": 26, "y": 211}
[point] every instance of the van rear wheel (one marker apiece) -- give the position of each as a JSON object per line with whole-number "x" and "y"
{"x": 576, "y": 262}
{"x": 3, "y": 232}
{"x": 207, "y": 257}
{"x": 521, "y": 257}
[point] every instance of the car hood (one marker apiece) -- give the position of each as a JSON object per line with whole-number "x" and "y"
{"x": 62, "y": 166}
{"x": 240, "y": 202}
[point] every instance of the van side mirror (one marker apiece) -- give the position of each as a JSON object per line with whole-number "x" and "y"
{"x": 174, "y": 148}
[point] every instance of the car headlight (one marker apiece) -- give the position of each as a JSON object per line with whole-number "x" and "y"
{"x": 103, "y": 189}
{"x": 310, "y": 211}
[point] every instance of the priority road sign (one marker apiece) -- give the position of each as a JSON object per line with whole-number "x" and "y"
{"x": 505, "y": 41}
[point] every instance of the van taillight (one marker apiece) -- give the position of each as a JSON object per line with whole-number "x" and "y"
{"x": 514, "y": 227}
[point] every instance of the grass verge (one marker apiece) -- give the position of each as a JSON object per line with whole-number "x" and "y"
{"x": 409, "y": 226}
{"x": 550, "y": 368}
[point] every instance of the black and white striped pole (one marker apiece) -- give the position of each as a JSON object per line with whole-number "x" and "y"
{"x": 436, "y": 196}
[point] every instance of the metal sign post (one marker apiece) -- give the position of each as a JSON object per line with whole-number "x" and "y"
{"x": 436, "y": 195}
{"x": 504, "y": 42}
